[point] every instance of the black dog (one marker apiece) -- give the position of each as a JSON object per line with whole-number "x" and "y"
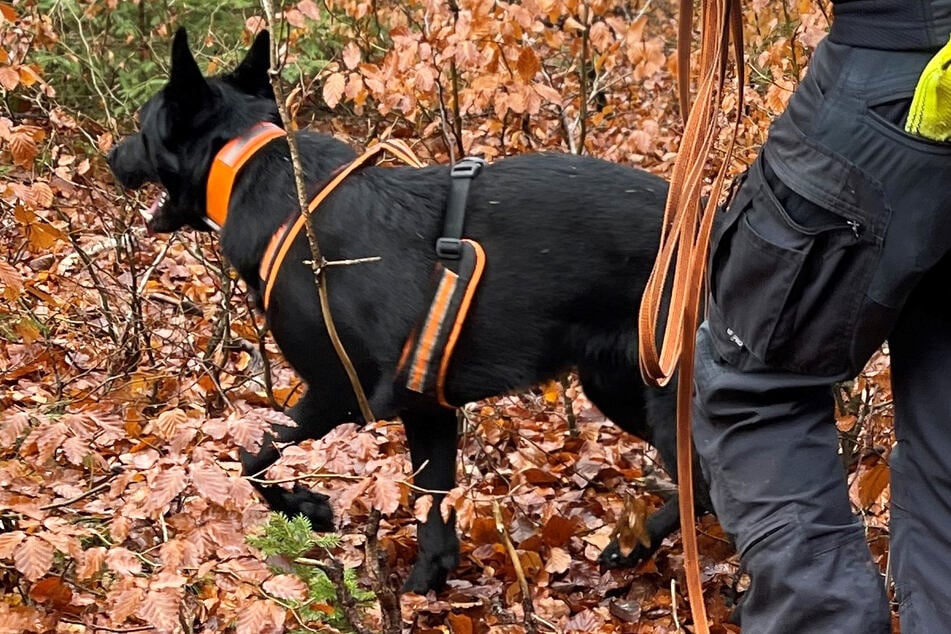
{"x": 569, "y": 241}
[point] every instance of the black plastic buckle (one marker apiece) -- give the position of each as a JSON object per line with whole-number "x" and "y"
{"x": 468, "y": 167}
{"x": 449, "y": 248}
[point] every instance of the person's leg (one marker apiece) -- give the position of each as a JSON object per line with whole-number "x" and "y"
{"x": 768, "y": 445}
{"x": 921, "y": 461}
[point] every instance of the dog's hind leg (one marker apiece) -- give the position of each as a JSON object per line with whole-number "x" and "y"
{"x": 312, "y": 422}
{"x": 432, "y": 437}
{"x": 650, "y": 414}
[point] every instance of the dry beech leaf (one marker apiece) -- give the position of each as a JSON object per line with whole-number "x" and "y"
{"x": 33, "y": 557}
{"x": 351, "y": 55}
{"x": 123, "y": 561}
{"x": 295, "y": 18}
{"x": 9, "y": 542}
{"x": 11, "y": 283}
{"x": 44, "y": 236}
{"x": 528, "y": 64}
{"x": 93, "y": 560}
{"x": 333, "y": 89}
{"x": 260, "y": 617}
{"x": 28, "y": 76}
{"x": 160, "y": 609}
{"x": 211, "y": 482}
{"x": 42, "y": 194}
{"x": 422, "y": 506}
{"x": 23, "y": 147}
{"x": 9, "y": 77}
{"x": 52, "y": 591}
{"x": 451, "y": 502}
{"x": 558, "y": 561}
{"x": 385, "y": 495}
{"x": 309, "y": 8}
{"x": 872, "y": 482}
{"x": 631, "y": 526}
{"x": 8, "y": 12}
{"x": 167, "y": 423}
{"x": 286, "y": 587}
{"x": 125, "y": 601}
{"x": 165, "y": 487}
{"x": 105, "y": 142}
{"x": 460, "y": 623}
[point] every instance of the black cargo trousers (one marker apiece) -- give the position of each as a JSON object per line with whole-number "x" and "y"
{"x": 836, "y": 240}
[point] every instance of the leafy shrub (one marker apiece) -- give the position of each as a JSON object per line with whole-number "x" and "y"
{"x": 288, "y": 541}
{"x": 110, "y": 56}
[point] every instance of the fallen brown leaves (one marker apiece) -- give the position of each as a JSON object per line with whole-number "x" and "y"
{"x": 130, "y": 367}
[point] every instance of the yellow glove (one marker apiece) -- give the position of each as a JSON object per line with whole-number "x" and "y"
{"x": 930, "y": 114}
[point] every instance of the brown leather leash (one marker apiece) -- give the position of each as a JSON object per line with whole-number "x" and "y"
{"x": 686, "y": 233}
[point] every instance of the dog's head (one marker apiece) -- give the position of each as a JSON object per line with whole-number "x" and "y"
{"x": 183, "y": 126}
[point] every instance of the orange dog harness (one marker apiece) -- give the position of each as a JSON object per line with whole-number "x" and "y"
{"x": 424, "y": 362}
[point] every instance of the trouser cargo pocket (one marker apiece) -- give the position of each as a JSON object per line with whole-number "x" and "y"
{"x": 788, "y": 276}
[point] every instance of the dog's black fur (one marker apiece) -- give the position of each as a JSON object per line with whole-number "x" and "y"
{"x": 570, "y": 242}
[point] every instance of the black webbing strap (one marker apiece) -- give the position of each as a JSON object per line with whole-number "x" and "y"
{"x": 449, "y": 247}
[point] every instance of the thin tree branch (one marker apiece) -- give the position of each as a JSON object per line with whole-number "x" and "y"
{"x": 317, "y": 260}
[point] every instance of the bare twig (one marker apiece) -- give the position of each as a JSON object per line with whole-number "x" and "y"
{"x": 96, "y": 488}
{"x": 454, "y": 80}
{"x": 527, "y": 606}
{"x": 317, "y": 260}
{"x": 374, "y": 258}
{"x": 377, "y": 566}
{"x": 583, "y": 76}
{"x": 103, "y": 628}
{"x": 569, "y": 406}
{"x": 673, "y": 605}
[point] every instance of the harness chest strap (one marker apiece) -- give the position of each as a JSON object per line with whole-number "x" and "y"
{"x": 229, "y": 160}
{"x": 284, "y": 237}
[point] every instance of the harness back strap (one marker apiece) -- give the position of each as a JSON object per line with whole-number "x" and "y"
{"x": 229, "y": 160}
{"x": 284, "y": 237}
{"x": 461, "y": 174}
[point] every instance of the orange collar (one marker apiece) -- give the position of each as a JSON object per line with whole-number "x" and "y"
{"x": 282, "y": 239}
{"x": 225, "y": 168}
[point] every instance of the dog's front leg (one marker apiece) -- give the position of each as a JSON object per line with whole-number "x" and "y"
{"x": 312, "y": 422}
{"x": 432, "y": 446}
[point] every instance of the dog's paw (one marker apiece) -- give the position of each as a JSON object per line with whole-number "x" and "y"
{"x": 312, "y": 505}
{"x": 611, "y": 557}
{"x": 425, "y": 577}
{"x": 430, "y": 573}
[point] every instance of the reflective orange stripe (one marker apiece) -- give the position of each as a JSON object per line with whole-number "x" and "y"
{"x": 427, "y": 339}
{"x": 225, "y": 168}
{"x": 460, "y": 319}
{"x": 407, "y": 348}
{"x": 270, "y": 267}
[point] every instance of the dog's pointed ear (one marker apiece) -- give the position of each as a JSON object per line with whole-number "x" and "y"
{"x": 185, "y": 82}
{"x": 251, "y": 75}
